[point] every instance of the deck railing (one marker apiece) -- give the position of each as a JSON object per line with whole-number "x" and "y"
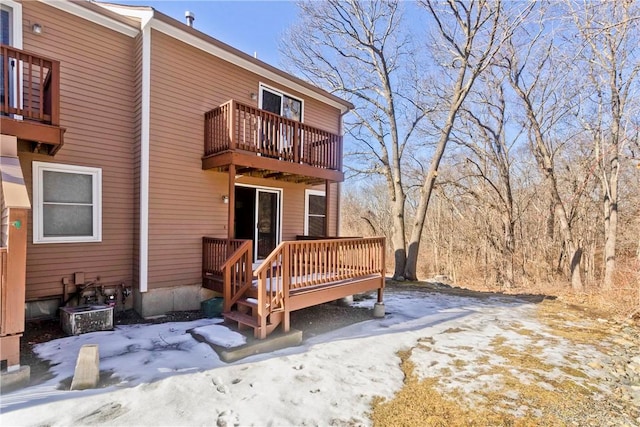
{"x": 29, "y": 86}
{"x": 302, "y": 265}
{"x": 215, "y": 253}
{"x": 237, "y": 274}
{"x": 237, "y": 126}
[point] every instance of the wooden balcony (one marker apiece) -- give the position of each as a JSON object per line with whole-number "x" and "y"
{"x": 30, "y": 98}
{"x": 262, "y": 144}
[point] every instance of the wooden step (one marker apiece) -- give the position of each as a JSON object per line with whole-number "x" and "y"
{"x": 251, "y": 303}
{"x": 245, "y": 319}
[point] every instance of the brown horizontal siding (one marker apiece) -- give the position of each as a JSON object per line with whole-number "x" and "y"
{"x": 97, "y": 109}
{"x": 185, "y": 202}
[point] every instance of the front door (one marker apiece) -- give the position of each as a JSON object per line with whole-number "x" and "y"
{"x": 257, "y": 214}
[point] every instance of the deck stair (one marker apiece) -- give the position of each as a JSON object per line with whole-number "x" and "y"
{"x": 296, "y": 275}
{"x": 245, "y": 313}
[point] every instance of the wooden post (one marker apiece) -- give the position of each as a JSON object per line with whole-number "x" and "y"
{"x": 296, "y": 142}
{"x": 232, "y": 127}
{"x": 286, "y": 284}
{"x": 55, "y": 93}
{"x": 327, "y": 211}
{"x": 13, "y": 287}
{"x": 232, "y": 202}
{"x": 13, "y": 310}
{"x": 383, "y": 251}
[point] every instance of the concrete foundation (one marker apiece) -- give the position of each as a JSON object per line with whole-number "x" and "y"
{"x": 15, "y": 378}
{"x": 346, "y": 301}
{"x": 160, "y": 301}
{"x": 378, "y": 310}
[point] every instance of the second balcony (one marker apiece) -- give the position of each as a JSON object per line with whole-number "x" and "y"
{"x": 266, "y": 145}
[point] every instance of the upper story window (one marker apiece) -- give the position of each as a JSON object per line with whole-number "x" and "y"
{"x": 280, "y": 103}
{"x": 66, "y": 203}
{"x": 11, "y": 23}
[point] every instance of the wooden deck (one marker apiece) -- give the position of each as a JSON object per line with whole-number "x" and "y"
{"x": 296, "y": 275}
{"x": 266, "y": 145}
{"x": 30, "y": 98}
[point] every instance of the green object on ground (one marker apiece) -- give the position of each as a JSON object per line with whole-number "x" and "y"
{"x": 212, "y": 307}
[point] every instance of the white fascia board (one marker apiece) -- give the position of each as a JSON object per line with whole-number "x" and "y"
{"x": 144, "y": 15}
{"x": 240, "y": 62}
{"x": 92, "y": 16}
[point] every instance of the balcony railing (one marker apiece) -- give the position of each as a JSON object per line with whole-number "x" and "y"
{"x": 234, "y": 126}
{"x": 30, "y": 86}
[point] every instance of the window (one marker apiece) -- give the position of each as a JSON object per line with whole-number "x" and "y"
{"x": 315, "y": 213}
{"x": 5, "y": 25}
{"x": 67, "y": 203}
{"x": 10, "y": 34}
{"x": 280, "y": 103}
{"x": 11, "y": 23}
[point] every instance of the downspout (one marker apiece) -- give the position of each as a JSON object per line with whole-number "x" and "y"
{"x": 339, "y": 184}
{"x": 145, "y": 118}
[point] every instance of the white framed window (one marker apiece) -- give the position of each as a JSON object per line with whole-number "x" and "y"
{"x": 281, "y": 103}
{"x": 11, "y": 35}
{"x": 67, "y": 203}
{"x": 11, "y": 19}
{"x": 315, "y": 213}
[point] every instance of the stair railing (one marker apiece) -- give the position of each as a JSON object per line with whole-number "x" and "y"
{"x": 237, "y": 273}
{"x": 273, "y": 282}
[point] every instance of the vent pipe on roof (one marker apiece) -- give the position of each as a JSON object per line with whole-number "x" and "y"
{"x": 190, "y": 16}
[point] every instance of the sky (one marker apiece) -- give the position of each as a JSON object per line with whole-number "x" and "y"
{"x": 250, "y": 26}
{"x": 162, "y": 376}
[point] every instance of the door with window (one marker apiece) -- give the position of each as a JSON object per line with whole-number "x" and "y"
{"x": 280, "y": 103}
{"x": 278, "y": 134}
{"x": 257, "y": 218}
{"x": 10, "y": 35}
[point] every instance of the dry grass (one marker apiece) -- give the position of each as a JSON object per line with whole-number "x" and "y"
{"x": 622, "y": 301}
{"x": 557, "y": 314}
{"x": 421, "y": 403}
{"x": 524, "y": 391}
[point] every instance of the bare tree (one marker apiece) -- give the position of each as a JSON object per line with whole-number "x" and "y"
{"x": 359, "y": 50}
{"x": 541, "y": 85}
{"x": 468, "y": 33}
{"x": 488, "y": 163}
{"x": 610, "y": 53}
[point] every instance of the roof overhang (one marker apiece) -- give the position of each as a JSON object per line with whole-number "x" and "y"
{"x": 97, "y": 15}
{"x": 180, "y": 31}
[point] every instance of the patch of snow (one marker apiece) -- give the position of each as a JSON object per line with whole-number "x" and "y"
{"x": 169, "y": 378}
{"x": 221, "y": 335}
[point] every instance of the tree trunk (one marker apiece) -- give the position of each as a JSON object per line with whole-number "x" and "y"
{"x": 508, "y": 252}
{"x": 398, "y": 238}
{"x": 610, "y": 234}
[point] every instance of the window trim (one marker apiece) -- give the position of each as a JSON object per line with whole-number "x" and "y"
{"x": 308, "y": 193}
{"x": 262, "y": 87}
{"x": 38, "y": 215}
{"x": 16, "y": 18}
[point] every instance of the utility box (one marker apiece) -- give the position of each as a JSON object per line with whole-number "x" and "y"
{"x": 212, "y": 307}
{"x": 86, "y": 318}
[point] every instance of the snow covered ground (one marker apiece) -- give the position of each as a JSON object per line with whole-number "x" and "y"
{"x": 165, "y": 377}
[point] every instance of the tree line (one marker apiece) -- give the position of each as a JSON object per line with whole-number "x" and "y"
{"x": 494, "y": 140}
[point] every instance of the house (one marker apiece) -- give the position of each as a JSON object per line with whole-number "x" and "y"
{"x": 147, "y": 163}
